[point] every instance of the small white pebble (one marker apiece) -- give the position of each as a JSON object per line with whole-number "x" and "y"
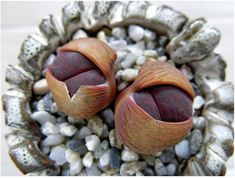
{"x": 71, "y": 156}
{"x": 149, "y": 35}
{"x": 53, "y": 140}
{"x": 58, "y": 154}
{"x": 105, "y": 159}
{"x": 128, "y": 61}
{"x": 42, "y": 117}
{"x": 84, "y": 132}
{"x": 40, "y": 87}
{"x": 129, "y": 75}
{"x": 128, "y": 155}
{"x": 151, "y": 53}
{"x": 119, "y": 32}
{"x": 49, "y": 129}
{"x": 140, "y": 60}
{"x": 198, "y": 102}
{"x": 162, "y": 58}
{"x": 139, "y": 174}
{"x": 67, "y": 130}
{"x": 95, "y": 124}
{"x": 87, "y": 160}
{"x": 75, "y": 167}
{"x": 182, "y": 149}
{"x": 122, "y": 85}
{"x": 79, "y": 34}
{"x": 136, "y": 32}
{"x": 92, "y": 142}
{"x": 101, "y": 36}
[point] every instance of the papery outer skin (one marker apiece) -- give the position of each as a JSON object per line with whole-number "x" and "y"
{"x": 88, "y": 100}
{"x": 135, "y": 127}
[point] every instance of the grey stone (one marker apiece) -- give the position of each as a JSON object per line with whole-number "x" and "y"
{"x": 171, "y": 169}
{"x": 77, "y": 146}
{"x": 58, "y": 154}
{"x": 141, "y": 44}
{"x": 45, "y": 149}
{"x": 105, "y": 132}
{"x": 49, "y": 61}
{"x": 128, "y": 61}
{"x": 135, "y": 50}
{"x": 105, "y": 159}
{"x": 139, "y": 174}
{"x": 93, "y": 170}
{"x": 45, "y": 103}
{"x": 187, "y": 72}
{"x": 140, "y": 60}
{"x": 160, "y": 51}
{"x": 182, "y": 149}
{"x": 95, "y": 123}
{"x": 54, "y": 108}
{"x": 129, "y": 169}
{"x": 119, "y": 32}
{"x": 199, "y": 123}
{"x": 136, "y": 32}
{"x": 160, "y": 169}
{"x": 167, "y": 155}
{"x": 118, "y": 45}
{"x": 84, "y": 132}
{"x": 122, "y": 86}
{"x": 198, "y": 102}
{"x": 103, "y": 146}
{"x": 195, "y": 141}
{"x": 115, "y": 158}
{"x": 149, "y": 172}
{"x": 150, "y": 159}
{"x": 162, "y": 41}
{"x": 53, "y": 140}
{"x": 149, "y": 35}
{"x": 65, "y": 172}
{"x": 60, "y": 120}
{"x": 150, "y": 45}
{"x": 120, "y": 56}
{"x": 108, "y": 117}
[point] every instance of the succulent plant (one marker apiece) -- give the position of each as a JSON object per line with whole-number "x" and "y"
{"x": 81, "y": 78}
{"x": 155, "y": 112}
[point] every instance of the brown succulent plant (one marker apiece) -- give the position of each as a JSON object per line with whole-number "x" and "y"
{"x": 155, "y": 112}
{"x": 82, "y": 77}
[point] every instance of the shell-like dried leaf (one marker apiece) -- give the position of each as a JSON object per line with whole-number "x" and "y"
{"x": 158, "y": 73}
{"x": 143, "y": 134}
{"x": 135, "y": 127}
{"x": 88, "y": 100}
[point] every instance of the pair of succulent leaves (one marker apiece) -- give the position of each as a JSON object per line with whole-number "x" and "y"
{"x": 82, "y": 82}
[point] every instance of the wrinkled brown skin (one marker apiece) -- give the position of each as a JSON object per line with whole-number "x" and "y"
{"x": 153, "y": 128}
{"x": 85, "y": 84}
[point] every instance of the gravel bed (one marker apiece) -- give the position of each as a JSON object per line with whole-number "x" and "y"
{"x": 89, "y": 146}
